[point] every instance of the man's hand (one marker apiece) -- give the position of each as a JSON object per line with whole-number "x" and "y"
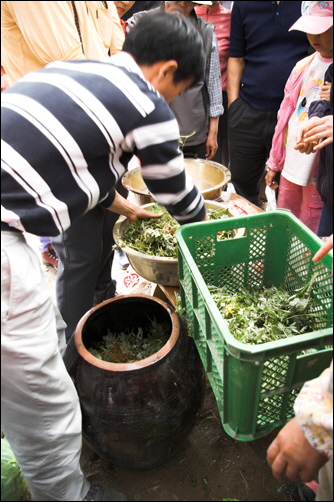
{"x": 291, "y": 456}
{"x": 211, "y": 142}
{"x": 132, "y": 211}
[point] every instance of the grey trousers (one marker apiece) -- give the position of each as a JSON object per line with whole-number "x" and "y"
{"x": 85, "y": 262}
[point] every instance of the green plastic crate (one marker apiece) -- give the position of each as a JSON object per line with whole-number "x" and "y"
{"x": 255, "y": 385}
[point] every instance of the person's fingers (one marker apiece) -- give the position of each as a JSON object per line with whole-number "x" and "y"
{"x": 325, "y": 248}
{"x": 322, "y": 144}
{"x": 278, "y": 469}
{"x": 149, "y": 214}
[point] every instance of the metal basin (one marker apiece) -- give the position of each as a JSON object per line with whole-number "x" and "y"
{"x": 209, "y": 177}
{"x": 155, "y": 269}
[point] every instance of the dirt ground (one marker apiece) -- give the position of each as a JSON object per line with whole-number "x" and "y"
{"x": 210, "y": 465}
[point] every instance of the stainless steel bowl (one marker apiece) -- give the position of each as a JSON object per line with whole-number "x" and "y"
{"x": 209, "y": 177}
{"x": 155, "y": 269}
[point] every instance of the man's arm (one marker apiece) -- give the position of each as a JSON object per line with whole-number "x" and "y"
{"x": 132, "y": 211}
{"x": 213, "y": 80}
{"x": 235, "y": 69}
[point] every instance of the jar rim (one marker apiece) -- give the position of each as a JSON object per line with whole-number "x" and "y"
{"x": 142, "y": 363}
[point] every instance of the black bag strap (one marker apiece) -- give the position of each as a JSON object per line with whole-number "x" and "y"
{"x": 76, "y": 20}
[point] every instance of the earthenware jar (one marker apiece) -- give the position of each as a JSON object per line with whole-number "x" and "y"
{"x": 136, "y": 414}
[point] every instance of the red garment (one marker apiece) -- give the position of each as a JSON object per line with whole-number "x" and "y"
{"x": 123, "y": 24}
{"x": 221, "y": 17}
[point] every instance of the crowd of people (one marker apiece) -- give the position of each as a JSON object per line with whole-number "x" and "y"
{"x": 85, "y": 87}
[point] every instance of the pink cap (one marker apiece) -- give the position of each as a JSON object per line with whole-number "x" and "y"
{"x": 316, "y": 18}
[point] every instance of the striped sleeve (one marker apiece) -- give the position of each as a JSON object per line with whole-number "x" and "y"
{"x": 68, "y": 132}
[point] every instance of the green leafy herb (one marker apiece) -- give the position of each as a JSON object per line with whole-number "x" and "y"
{"x": 183, "y": 139}
{"x": 129, "y": 346}
{"x": 258, "y": 315}
{"x": 156, "y": 236}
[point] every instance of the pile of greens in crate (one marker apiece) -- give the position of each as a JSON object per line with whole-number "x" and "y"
{"x": 258, "y": 314}
{"x": 156, "y": 236}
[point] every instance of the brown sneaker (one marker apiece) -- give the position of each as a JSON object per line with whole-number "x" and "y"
{"x": 50, "y": 257}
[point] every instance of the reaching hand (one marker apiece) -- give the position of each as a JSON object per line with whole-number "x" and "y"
{"x": 142, "y": 213}
{"x": 325, "y": 248}
{"x": 132, "y": 211}
{"x": 292, "y": 457}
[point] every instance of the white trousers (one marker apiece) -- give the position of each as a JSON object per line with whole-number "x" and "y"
{"x": 40, "y": 411}
{"x": 325, "y": 488}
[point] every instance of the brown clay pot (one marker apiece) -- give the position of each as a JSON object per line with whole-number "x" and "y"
{"x": 136, "y": 414}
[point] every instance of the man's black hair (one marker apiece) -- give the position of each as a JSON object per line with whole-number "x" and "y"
{"x": 162, "y": 37}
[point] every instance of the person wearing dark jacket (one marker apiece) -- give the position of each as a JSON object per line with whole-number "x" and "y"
{"x": 198, "y": 110}
{"x": 317, "y": 134}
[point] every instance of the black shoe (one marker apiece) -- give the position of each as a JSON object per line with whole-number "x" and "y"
{"x": 293, "y": 488}
{"x": 102, "y": 492}
{"x": 305, "y": 492}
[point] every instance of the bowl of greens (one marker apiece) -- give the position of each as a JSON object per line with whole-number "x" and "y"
{"x": 151, "y": 245}
{"x": 209, "y": 177}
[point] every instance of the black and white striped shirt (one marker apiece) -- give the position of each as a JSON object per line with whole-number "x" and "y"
{"x": 68, "y": 133}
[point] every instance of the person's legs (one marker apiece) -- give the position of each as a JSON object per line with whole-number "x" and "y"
{"x": 325, "y": 488}
{"x": 85, "y": 264}
{"x": 311, "y": 207}
{"x": 325, "y": 228}
{"x": 41, "y": 415}
{"x": 79, "y": 250}
{"x": 105, "y": 287}
{"x": 195, "y": 151}
{"x": 250, "y": 132}
{"x": 289, "y": 196}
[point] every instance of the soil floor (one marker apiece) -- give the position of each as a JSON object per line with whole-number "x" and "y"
{"x": 210, "y": 465}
